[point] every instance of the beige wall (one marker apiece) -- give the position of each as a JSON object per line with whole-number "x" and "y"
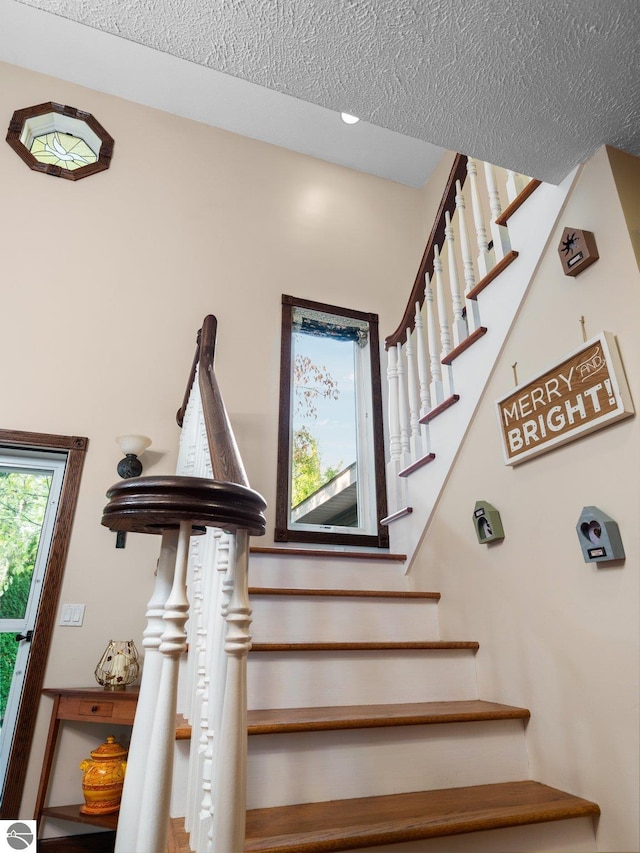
{"x": 105, "y": 282}
{"x": 557, "y": 635}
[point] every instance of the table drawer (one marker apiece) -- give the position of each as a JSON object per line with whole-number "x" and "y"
{"x": 98, "y": 709}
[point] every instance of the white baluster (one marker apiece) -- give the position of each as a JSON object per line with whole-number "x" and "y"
{"x": 485, "y": 261}
{"x": 186, "y": 446}
{"x": 403, "y": 411}
{"x": 445, "y": 336}
{"x": 515, "y": 184}
{"x": 225, "y": 556}
{"x": 473, "y": 313}
{"x": 230, "y": 793}
{"x": 189, "y": 676}
{"x": 499, "y": 233}
{"x": 153, "y": 819}
{"x": 437, "y": 391}
{"x": 189, "y": 697}
{"x": 415, "y": 438}
{"x": 395, "y": 447}
{"x": 141, "y": 735}
{"x": 423, "y": 378}
{"x": 459, "y": 324}
{"x": 198, "y": 646}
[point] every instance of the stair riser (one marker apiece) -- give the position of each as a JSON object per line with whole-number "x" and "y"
{"x": 308, "y": 679}
{"x": 560, "y": 836}
{"x": 316, "y": 766}
{"x": 294, "y": 619}
{"x": 325, "y": 572}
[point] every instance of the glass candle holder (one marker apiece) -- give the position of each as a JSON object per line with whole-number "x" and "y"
{"x": 118, "y": 666}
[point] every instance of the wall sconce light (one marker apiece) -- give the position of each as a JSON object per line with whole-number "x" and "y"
{"x": 132, "y": 446}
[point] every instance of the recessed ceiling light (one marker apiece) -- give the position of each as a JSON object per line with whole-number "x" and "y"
{"x": 349, "y": 119}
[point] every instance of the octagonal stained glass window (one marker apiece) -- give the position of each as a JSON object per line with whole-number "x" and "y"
{"x": 60, "y": 140}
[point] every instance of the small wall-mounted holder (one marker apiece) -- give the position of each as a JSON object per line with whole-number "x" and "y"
{"x": 599, "y": 536}
{"x": 487, "y": 522}
{"x": 577, "y": 250}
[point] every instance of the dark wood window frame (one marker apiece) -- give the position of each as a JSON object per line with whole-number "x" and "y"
{"x": 282, "y": 532}
{"x": 75, "y": 448}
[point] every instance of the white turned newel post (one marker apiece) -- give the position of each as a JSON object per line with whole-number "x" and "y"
{"x": 141, "y": 735}
{"x": 499, "y": 233}
{"x": 153, "y": 819}
{"x": 515, "y": 184}
{"x": 403, "y": 411}
{"x": 445, "y": 337}
{"x": 473, "y": 313}
{"x": 230, "y": 796}
{"x": 437, "y": 391}
{"x": 415, "y": 439}
{"x": 485, "y": 262}
{"x": 423, "y": 378}
{"x": 459, "y": 324}
{"x": 395, "y": 447}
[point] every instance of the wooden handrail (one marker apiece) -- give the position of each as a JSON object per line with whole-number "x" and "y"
{"x": 436, "y": 238}
{"x": 192, "y": 375}
{"x": 225, "y": 457}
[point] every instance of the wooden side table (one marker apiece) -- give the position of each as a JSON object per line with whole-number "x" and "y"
{"x": 87, "y": 705}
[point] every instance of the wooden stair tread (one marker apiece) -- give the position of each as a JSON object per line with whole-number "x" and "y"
{"x": 493, "y": 273}
{"x": 183, "y": 728}
{"x": 419, "y": 463}
{"x": 464, "y": 345}
{"x": 281, "y": 720}
{"x": 518, "y": 201}
{"x": 324, "y": 552}
{"x": 432, "y": 645}
{"x": 439, "y": 409}
{"x": 337, "y": 717}
{"x": 396, "y": 516}
{"x": 370, "y": 821}
{"x": 343, "y": 593}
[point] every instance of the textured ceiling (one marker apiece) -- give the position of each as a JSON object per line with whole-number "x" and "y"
{"x": 536, "y": 86}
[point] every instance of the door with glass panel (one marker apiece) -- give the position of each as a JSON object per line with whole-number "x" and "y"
{"x": 30, "y": 485}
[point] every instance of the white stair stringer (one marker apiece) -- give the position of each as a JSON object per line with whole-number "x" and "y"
{"x": 530, "y": 230}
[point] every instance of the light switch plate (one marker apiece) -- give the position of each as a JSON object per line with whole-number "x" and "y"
{"x": 72, "y": 615}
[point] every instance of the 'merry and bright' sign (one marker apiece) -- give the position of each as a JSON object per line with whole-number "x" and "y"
{"x": 585, "y": 392}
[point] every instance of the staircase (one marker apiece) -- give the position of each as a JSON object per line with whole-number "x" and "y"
{"x": 411, "y": 754}
{"x": 333, "y": 764}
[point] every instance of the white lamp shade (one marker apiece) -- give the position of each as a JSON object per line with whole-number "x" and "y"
{"x": 135, "y": 444}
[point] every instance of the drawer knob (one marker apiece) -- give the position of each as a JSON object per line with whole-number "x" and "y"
{"x": 94, "y": 708}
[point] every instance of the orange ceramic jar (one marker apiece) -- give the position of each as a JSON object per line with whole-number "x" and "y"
{"x": 103, "y": 778}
